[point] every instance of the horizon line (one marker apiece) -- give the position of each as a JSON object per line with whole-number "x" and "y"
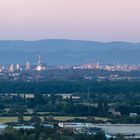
{"x": 113, "y": 41}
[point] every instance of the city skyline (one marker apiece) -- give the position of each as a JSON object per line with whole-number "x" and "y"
{"x": 98, "y": 20}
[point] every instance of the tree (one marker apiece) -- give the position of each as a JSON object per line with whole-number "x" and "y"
{"x": 20, "y": 118}
{"x": 100, "y": 105}
{"x": 52, "y": 98}
{"x": 105, "y": 107}
{"x": 120, "y": 137}
{"x": 50, "y": 118}
{"x": 35, "y": 119}
{"x": 100, "y": 136}
{"x": 39, "y": 99}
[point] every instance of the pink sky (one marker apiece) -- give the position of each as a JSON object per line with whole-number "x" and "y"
{"x": 101, "y": 20}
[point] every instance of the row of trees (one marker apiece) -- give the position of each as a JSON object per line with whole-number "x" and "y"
{"x": 77, "y": 86}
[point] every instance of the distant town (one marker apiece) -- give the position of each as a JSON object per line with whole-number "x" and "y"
{"x": 41, "y": 71}
{"x": 41, "y": 66}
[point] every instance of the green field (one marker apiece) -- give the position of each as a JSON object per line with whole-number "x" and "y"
{"x": 11, "y": 119}
{"x": 59, "y": 118}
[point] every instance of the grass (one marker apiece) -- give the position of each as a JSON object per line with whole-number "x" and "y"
{"x": 59, "y": 118}
{"x": 11, "y": 119}
{"x": 65, "y": 118}
{"x": 102, "y": 119}
{"x": 7, "y": 119}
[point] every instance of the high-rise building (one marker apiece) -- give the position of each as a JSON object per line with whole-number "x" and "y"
{"x": 11, "y": 68}
{"x": 1, "y": 68}
{"x": 17, "y": 67}
{"x": 97, "y": 65}
{"x": 27, "y": 66}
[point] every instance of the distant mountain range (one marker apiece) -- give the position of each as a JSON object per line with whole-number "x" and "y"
{"x": 70, "y": 52}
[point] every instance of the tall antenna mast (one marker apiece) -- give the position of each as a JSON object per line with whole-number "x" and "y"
{"x": 39, "y": 59}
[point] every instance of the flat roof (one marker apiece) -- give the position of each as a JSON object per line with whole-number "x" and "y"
{"x": 121, "y": 129}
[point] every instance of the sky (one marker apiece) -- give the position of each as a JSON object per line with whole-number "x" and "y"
{"x": 98, "y": 20}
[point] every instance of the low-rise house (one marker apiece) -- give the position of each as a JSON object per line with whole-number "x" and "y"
{"x": 133, "y": 115}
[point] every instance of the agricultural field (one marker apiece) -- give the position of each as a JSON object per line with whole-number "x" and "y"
{"x": 58, "y": 118}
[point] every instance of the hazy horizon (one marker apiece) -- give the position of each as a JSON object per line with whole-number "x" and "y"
{"x": 30, "y": 40}
{"x": 92, "y": 20}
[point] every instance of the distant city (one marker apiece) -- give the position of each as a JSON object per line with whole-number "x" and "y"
{"x": 42, "y": 72}
{"x": 42, "y": 66}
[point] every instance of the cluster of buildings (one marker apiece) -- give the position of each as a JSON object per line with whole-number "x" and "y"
{"x": 117, "y": 67}
{"x": 129, "y": 131}
{"x": 42, "y": 66}
{"x": 27, "y": 67}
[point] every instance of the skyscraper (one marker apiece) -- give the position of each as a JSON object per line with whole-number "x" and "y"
{"x": 27, "y": 65}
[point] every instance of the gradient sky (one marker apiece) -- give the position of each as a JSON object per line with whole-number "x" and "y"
{"x": 100, "y": 20}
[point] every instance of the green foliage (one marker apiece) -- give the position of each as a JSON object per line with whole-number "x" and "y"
{"x": 122, "y": 95}
{"x": 46, "y": 134}
{"x": 35, "y": 119}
